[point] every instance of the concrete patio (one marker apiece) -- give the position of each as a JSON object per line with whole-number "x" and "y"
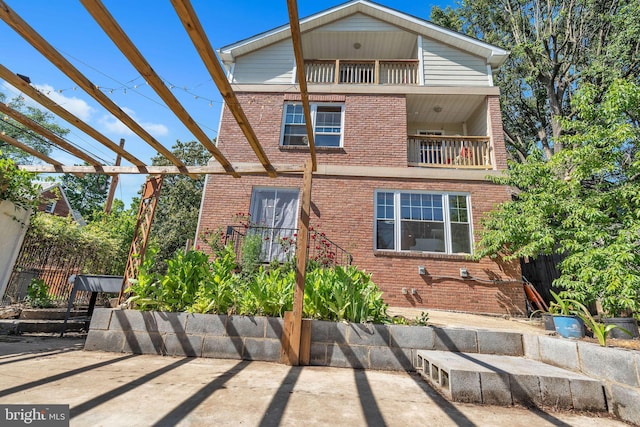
{"x": 115, "y": 389}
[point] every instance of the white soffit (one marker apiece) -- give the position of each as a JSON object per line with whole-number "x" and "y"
{"x": 494, "y": 55}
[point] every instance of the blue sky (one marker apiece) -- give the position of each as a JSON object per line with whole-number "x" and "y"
{"x": 157, "y": 32}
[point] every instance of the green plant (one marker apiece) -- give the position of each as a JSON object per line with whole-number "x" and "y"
{"x": 600, "y": 330}
{"x": 145, "y": 288}
{"x": 343, "y": 293}
{"x": 217, "y": 294}
{"x": 16, "y": 185}
{"x": 423, "y": 319}
{"x": 216, "y": 240}
{"x": 268, "y": 293}
{"x": 38, "y": 294}
{"x": 195, "y": 284}
{"x": 563, "y": 306}
{"x": 250, "y": 258}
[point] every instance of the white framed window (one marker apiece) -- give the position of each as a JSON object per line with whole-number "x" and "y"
{"x": 50, "y": 206}
{"x": 420, "y": 221}
{"x": 327, "y": 119}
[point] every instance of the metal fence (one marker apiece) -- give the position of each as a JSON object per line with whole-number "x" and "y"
{"x": 279, "y": 244}
{"x": 54, "y": 264}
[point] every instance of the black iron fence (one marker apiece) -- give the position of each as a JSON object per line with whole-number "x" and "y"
{"x": 54, "y": 264}
{"x": 279, "y": 244}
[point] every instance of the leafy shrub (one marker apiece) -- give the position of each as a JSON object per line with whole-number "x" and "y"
{"x": 251, "y": 254}
{"x": 343, "y": 293}
{"x": 38, "y": 294}
{"x": 193, "y": 283}
{"x": 17, "y": 185}
{"x": 216, "y": 294}
{"x": 268, "y": 293}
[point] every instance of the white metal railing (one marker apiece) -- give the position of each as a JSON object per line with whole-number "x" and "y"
{"x": 449, "y": 151}
{"x": 396, "y": 72}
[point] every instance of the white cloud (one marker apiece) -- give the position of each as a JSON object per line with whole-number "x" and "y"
{"x": 6, "y": 87}
{"x": 115, "y": 126}
{"x": 74, "y": 105}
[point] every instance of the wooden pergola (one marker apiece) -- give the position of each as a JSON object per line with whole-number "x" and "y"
{"x": 292, "y": 340}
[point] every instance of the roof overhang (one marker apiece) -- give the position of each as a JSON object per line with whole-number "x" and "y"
{"x": 495, "y": 56}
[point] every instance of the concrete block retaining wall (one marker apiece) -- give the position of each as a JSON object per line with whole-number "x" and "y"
{"x": 352, "y": 345}
{"x": 390, "y": 347}
{"x": 617, "y": 368}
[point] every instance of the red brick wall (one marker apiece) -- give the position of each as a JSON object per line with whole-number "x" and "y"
{"x": 375, "y": 132}
{"x": 61, "y": 208}
{"x": 368, "y": 139}
{"x": 343, "y": 208}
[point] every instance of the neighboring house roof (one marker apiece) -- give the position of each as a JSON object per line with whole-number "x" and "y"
{"x": 494, "y": 55}
{"x": 50, "y": 186}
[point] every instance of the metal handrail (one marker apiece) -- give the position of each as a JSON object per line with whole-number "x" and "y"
{"x": 321, "y": 249}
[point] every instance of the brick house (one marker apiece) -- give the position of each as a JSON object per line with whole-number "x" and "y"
{"x": 407, "y": 128}
{"x": 53, "y": 200}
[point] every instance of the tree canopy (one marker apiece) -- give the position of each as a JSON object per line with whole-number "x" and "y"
{"x": 86, "y": 194}
{"x": 19, "y": 132}
{"x": 583, "y": 203}
{"x": 555, "y": 46}
{"x": 177, "y": 212}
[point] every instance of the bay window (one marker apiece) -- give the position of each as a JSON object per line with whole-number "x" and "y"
{"x": 423, "y": 222}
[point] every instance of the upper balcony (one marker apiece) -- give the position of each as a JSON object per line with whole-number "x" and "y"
{"x": 472, "y": 152}
{"x": 376, "y": 72}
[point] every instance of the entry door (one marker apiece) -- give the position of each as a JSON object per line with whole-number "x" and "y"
{"x": 274, "y": 211}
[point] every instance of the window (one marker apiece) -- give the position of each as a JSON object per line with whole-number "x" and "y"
{"x": 423, "y": 222}
{"x": 50, "y": 206}
{"x": 327, "y": 129}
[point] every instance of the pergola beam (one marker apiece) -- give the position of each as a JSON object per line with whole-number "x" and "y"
{"x": 239, "y": 168}
{"x": 296, "y": 38}
{"x": 37, "y": 96}
{"x": 39, "y": 43}
{"x": 6, "y": 138}
{"x": 52, "y": 137}
{"x": 192, "y": 25}
{"x": 111, "y": 27}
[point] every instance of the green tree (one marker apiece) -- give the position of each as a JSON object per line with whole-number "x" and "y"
{"x": 17, "y": 131}
{"x": 16, "y": 185}
{"x": 119, "y": 227}
{"x": 176, "y": 217}
{"x": 88, "y": 194}
{"x": 555, "y": 45}
{"x": 583, "y": 203}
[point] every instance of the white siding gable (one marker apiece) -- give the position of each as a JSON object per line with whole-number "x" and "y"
{"x": 358, "y": 22}
{"x": 447, "y": 66}
{"x": 272, "y": 64}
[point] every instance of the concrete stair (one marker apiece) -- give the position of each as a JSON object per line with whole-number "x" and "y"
{"x": 46, "y": 321}
{"x": 507, "y": 380}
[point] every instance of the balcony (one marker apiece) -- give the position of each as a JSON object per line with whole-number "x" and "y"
{"x": 473, "y": 152}
{"x": 396, "y": 72}
{"x": 279, "y": 244}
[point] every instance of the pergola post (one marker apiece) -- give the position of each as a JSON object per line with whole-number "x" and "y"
{"x": 146, "y": 211}
{"x": 292, "y": 337}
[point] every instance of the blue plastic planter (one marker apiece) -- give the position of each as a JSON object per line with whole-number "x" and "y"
{"x": 569, "y": 326}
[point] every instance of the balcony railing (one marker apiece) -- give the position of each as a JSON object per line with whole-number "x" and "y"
{"x": 396, "y": 72}
{"x": 280, "y": 244}
{"x": 449, "y": 151}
